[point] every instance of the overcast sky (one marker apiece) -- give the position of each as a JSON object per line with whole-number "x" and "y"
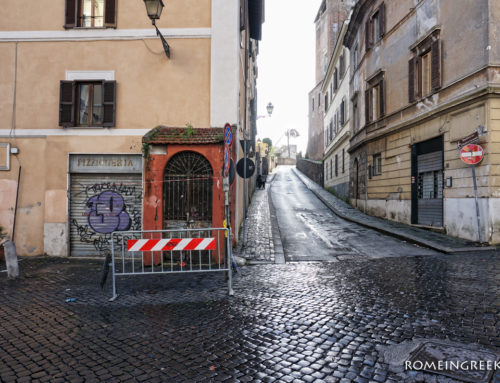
{"x": 286, "y": 68}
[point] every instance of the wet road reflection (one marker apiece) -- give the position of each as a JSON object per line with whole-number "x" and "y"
{"x": 311, "y": 232}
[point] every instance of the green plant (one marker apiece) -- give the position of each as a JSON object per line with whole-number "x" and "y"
{"x": 146, "y": 151}
{"x": 151, "y": 135}
{"x": 219, "y": 137}
{"x": 189, "y": 131}
{"x": 268, "y": 141}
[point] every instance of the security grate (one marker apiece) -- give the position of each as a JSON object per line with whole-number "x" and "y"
{"x": 188, "y": 188}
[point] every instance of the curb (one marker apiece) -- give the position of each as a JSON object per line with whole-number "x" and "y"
{"x": 397, "y": 234}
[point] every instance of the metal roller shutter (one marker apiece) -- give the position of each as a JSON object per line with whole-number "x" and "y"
{"x": 430, "y": 189}
{"x": 99, "y": 205}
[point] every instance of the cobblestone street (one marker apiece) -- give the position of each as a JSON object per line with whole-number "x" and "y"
{"x": 299, "y": 322}
{"x": 340, "y": 320}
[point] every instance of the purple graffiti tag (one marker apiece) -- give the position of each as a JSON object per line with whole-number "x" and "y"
{"x": 106, "y": 213}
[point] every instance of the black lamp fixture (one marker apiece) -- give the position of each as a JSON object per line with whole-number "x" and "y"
{"x": 270, "y": 108}
{"x": 154, "y": 8}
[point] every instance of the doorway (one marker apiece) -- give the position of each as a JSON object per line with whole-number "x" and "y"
{"x": 427, "y": 182}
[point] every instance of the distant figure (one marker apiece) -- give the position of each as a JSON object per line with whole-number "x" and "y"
{"x": 261, "y": 182}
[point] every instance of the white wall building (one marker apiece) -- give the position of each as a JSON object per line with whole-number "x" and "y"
{"x": 336, "y": 123}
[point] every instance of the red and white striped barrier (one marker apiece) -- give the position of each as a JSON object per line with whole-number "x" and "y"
{"x": 171, "y": 244}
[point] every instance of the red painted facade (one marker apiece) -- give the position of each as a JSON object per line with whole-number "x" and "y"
{"x": 153, "y": 204}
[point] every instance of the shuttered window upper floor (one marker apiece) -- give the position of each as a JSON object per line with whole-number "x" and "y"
{"x": 90, "y": 14}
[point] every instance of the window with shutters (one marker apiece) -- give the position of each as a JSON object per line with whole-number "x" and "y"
{"x": 424, "y": 68}
{"x": 375, "y": 99}
{"x": 375, "y": 27}
{"x": 90, "y": 14}
{"x": 343, "y": 161}
{"x": 355, "y": 57}
{"x": 341, "y": 66}
{"x": 87, "y": 103}
{"x": 336, "y": 165}
{"x": 355, "y": 113}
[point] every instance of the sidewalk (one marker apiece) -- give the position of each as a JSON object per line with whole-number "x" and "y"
{"x": 427, "y": 238}
{"x": 261, "y": 242}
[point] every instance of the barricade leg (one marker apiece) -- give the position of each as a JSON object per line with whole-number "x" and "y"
{"x": 229, "y": 257}
{"x": 115, "y": 295}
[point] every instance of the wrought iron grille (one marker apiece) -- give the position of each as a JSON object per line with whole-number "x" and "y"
{"x": 187, "y": 188}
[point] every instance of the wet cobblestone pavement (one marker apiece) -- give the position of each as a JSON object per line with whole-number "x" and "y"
{"x": 260, "y": 244}
{"x": 299, "y": 322}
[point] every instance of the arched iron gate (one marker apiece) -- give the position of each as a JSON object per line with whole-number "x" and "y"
{"x": 187, "y": 192}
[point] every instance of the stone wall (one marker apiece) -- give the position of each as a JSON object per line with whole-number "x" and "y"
{"x": 312, "y": 169}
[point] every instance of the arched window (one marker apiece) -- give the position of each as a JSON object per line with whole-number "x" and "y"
{"x": 187, "y": 190}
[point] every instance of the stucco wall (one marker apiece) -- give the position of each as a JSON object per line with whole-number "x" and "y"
{"x": 49, "y": 15}
{"x": 312, "y": 169}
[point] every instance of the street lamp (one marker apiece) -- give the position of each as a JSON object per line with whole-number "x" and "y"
{"x": 270, "y": 108}
{"x": 154, "y": 8}
{"x": 291, "y": 132}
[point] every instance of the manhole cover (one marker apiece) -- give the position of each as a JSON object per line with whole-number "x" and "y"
{"x": 459, "y": 363}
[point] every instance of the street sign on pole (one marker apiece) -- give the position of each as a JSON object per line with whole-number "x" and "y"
{"x": 471, "y": 154}
{"x": 227, "y": 158}
{"x": 228, "y": 134}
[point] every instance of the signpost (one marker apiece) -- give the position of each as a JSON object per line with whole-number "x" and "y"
{"x": 472, "y": 154}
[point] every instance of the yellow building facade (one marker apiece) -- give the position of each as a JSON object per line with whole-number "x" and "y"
{"x": 82, "y": 81}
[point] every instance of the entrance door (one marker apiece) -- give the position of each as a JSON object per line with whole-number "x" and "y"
{"x": 429, "y": 185}
{"x": 187, "y": 192}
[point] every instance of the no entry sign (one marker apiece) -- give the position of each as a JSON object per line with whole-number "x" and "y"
{"x": 471, "y": 154}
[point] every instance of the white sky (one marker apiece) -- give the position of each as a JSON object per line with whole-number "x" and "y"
{"x": 286, "y": 64}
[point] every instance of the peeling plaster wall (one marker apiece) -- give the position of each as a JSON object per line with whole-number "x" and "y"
{"x": 394, "y": 210}
{"x": 7, "y": 202}
{"x": 460, "y": 218}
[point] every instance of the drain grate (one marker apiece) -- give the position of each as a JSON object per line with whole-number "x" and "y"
{"x": 461, "y": 363}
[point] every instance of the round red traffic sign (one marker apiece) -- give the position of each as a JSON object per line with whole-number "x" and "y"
{"x": 471, "y": 154}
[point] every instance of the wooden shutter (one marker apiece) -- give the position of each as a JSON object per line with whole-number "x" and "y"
{"x": 381, "y": 97}
{"x": 342, "y": 113}
{"x": 381, "y": 20}
{"x": 418, "y": 69}
{"x": 67, "y": 103}
{"x": 367, "y": 35}
{"x": 70, "y": 15}
{"x": 411, "y": 79}
{"x": 367, "y": 107}
{"x": 109, "y": 103}
{"x": 436, "y": 64}
{"x": 110, "y": 14}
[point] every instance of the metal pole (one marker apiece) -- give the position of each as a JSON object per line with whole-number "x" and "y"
{"x": 244, "y": 189}
{"x": 113, "y": 268}
{"x": 288, "y": 142}
{"x": 478, "y": 213}
{"x": 229, "y": 256}
{"x": 15, "y": 206}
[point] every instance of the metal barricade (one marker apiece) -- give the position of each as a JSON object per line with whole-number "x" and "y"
{"x": 152, "y": 252}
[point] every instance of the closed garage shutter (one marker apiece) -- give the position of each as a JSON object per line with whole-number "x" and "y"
{"x": 430, "y": 189}
{"x": 99, "y": 205}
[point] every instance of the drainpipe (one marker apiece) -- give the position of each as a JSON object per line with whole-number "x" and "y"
{"x": 245, "y": 79}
